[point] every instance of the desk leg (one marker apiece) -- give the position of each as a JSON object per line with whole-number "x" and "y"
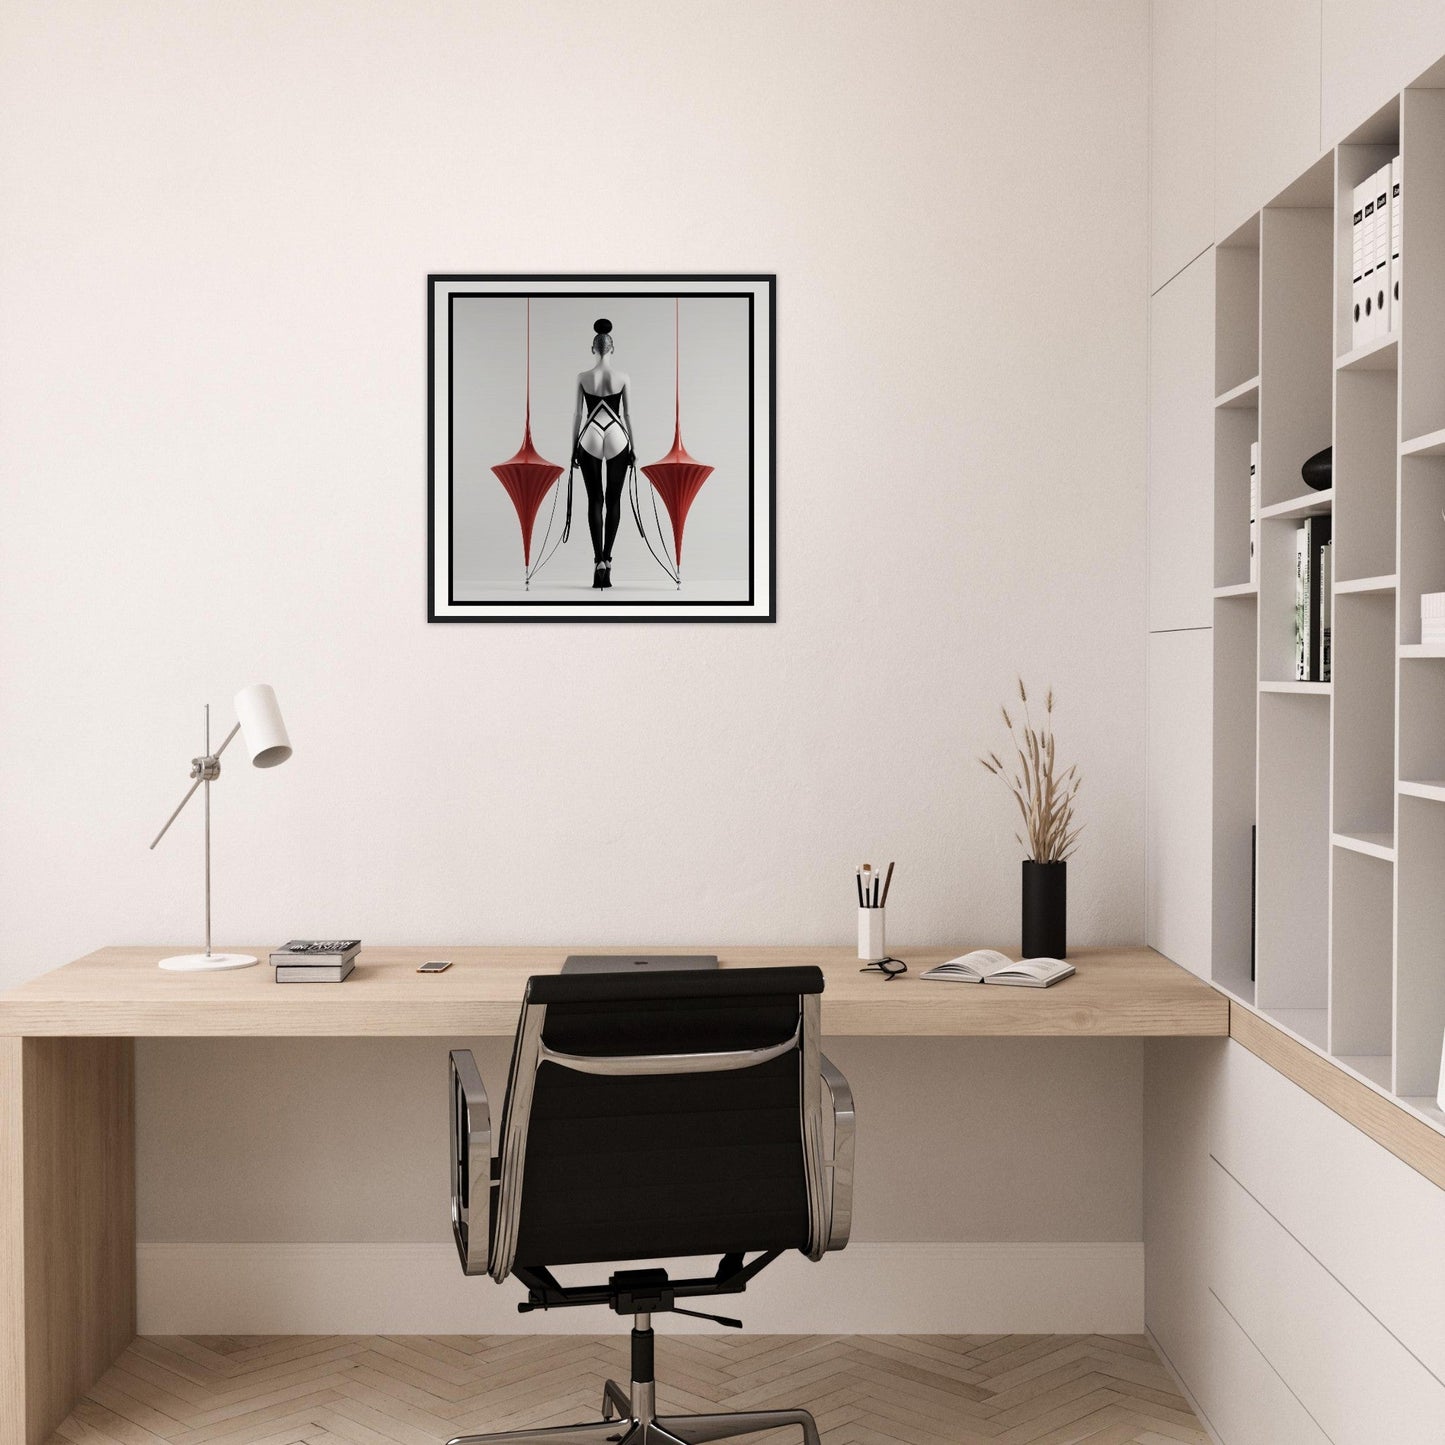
{"x": 67, "y": 1224}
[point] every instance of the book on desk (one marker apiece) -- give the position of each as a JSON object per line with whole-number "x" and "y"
{"x": 987, "y": 965}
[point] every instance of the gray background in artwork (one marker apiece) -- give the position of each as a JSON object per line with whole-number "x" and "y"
{"x": 488, "y": 358}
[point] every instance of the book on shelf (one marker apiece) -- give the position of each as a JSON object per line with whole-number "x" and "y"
{"x": 1310, "y": 610}
{"x": 1326, "y": 606}
{"x": 314, "y": 972}
{"x": 1254, "y": 513}
{"x": 1301, "y": 605}
{"x": 1381, "y": 273}
{"x": 988, "y": 965}
{"x": 316, "y": 952}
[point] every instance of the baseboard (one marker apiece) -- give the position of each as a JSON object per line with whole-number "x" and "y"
{"x": 302, "y": 1289}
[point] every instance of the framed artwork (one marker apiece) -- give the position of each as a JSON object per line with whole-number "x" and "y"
{"x": 600, "y": 448}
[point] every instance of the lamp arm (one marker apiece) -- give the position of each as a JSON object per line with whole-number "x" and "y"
{"x": 199, "y": 772}
{"x": 235, "y": 728}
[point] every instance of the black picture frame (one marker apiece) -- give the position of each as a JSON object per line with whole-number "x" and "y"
{"x": 553, "y": 603}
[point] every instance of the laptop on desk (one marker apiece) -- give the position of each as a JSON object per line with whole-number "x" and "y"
{"x": 637, "y": 962}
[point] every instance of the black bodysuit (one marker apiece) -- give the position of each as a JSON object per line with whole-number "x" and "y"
{"x": 604, "y": 479}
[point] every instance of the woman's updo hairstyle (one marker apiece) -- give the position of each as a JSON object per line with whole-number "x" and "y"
{"x": 602, "y": 341}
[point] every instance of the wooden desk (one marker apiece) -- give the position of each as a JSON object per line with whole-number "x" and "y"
{"x": 67, "y": 1162}
{"x": 119, "y": 992}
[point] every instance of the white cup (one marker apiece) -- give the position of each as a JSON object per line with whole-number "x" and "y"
{"x": 871, "y": 945}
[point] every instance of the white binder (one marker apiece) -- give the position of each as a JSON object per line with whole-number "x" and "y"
{"x": 1381, "y": 291}
{"x": 1396, "y": 224}
{"x": 1357, "y": 266}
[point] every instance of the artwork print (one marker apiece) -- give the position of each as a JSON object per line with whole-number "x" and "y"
{"x": 600, "y": 448}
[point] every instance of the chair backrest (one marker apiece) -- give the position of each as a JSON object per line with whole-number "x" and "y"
{"x": 668, "y": 1114}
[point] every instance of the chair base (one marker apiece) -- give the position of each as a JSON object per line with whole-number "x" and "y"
{"x": 640, "y": 1426}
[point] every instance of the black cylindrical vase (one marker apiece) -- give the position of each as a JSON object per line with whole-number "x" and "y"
{"x": 1046, "y": 909}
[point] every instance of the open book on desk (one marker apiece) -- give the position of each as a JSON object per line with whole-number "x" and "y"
{"x": 987, "y": 965}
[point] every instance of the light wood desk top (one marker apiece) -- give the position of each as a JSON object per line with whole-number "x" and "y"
{"x": 119, "y": 992}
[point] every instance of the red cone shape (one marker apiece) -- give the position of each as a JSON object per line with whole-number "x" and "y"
{"x": 528, "y": 477}
{"x": 677, "y": 478}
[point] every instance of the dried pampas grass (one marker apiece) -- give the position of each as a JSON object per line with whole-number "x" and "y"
{"x": 1045, "y": 796}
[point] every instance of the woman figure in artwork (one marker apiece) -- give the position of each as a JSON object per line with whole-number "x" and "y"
{"x": 602, "y": 447}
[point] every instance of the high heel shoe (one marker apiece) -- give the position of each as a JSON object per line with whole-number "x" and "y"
{"x": 599, "y": 576}
{"x": 606, "y": 566}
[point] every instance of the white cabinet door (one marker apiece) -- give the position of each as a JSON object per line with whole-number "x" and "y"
{"x": 1181, "y": 134}
{"x": 1181, "y": 450}
{"x": 1178, "y": 806}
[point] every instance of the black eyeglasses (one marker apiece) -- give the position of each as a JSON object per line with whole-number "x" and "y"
{"x": 890, "y": 968}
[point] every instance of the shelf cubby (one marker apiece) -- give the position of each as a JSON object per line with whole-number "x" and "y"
{"x": 1235, "y": 430}
{"x": 1365, "y": 461}
{"x": 1422, "y": 537}
{"x": 1362, "y": 956}
{"x": 1420, "y": 961}
{"x": 1363, "y": 686}
{"x": 1296, "y": 357}
{"x": 1276, "y": 602}
{"x": 1294, "y": 852}
{"x": 1422, "y": 250}
{"x": 1236, "y": 702}
{"x": 1422, "y": 725}
{"x": 1357, "y": 159}
{"x": 1236, "y": 302}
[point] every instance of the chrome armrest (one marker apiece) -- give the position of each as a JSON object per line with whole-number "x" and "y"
{"x": 471, "y": 1163}
{"x": 840, "y": 1166}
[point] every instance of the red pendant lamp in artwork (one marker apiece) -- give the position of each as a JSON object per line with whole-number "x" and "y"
{"x": 528, "y": 476}
{"x": 677, "y": 478}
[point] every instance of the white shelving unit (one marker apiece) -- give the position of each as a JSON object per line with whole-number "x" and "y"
{"x": 1336, "y": 789}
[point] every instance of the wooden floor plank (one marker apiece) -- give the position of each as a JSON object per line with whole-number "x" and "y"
{"x": 424, "y": 1389}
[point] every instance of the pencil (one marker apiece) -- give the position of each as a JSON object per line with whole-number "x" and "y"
{"x": 887, "y": 884}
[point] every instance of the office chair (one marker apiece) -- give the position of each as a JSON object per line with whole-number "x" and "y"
{"x": 648, "y": 1118}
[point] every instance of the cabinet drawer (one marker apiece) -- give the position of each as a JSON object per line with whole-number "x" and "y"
{"x": 1246, "y": 1402}
{"x": 1367, "y": 1217}
{"x": 1357, "y": 1381}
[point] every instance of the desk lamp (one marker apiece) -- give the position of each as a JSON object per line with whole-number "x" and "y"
{"x": 258, "y": 720}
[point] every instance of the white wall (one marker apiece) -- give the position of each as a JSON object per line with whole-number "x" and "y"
{"x": 219, "y": 222}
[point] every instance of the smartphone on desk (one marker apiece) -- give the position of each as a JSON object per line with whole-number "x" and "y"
{"x": 435, "y": 965}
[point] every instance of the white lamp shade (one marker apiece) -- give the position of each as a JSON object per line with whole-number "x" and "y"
{"x": 262, "y": 730}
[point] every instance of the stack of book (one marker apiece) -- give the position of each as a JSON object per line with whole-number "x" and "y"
{"x": 315, "y": 960}
{"x": 1313, "y": 583}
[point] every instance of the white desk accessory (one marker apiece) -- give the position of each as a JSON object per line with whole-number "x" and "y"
{"x": 258, "y": 720}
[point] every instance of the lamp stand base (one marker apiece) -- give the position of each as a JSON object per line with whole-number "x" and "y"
{"x": 206, "y": 962}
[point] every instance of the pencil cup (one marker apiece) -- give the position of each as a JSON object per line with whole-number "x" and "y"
{"x": 871, "y": 945}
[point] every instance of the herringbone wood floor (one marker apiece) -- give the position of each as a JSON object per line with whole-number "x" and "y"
{"x": 419, "y": 1390}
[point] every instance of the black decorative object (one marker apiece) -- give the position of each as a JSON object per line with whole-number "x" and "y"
{"x": 1319, "y": 471}
{"x": 1045, "y": 910}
